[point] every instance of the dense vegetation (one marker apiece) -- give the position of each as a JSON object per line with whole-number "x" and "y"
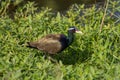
{"x": 95, "y": 55}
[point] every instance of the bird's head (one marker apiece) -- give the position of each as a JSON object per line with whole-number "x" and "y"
{"x": 74, "y": 30}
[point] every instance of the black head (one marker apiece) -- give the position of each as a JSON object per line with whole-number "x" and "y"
{"x": 74, "y": 30}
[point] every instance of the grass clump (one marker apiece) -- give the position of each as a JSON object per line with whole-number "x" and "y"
{"x": 95, "y": 55}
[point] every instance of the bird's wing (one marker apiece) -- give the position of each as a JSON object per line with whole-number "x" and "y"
{"x": 49, "y": 45}
{"x": 53, "y": 36}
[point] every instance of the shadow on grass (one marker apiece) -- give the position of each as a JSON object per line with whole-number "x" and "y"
{"x": 72, "y": 57}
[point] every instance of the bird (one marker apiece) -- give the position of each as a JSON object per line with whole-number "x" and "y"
{"x": 54, "y": 43}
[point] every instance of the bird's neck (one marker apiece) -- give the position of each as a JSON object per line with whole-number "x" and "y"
{"x": 70, "y": 37}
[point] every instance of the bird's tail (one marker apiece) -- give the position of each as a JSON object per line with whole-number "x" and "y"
{"x": 31, "y": 45}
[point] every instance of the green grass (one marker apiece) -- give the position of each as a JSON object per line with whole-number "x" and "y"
{"x": 94, "y": 55}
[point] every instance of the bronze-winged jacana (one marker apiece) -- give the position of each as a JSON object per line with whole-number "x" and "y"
{"x": 54, "y": 43}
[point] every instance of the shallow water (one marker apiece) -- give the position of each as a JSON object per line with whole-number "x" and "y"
{"x": 62, "y": 5}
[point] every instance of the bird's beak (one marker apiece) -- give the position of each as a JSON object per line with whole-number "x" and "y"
{"x": 80, "y": 32}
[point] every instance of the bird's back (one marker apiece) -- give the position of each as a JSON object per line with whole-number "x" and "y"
{"x": 52, "y": 43}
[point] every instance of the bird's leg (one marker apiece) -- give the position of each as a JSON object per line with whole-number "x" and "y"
{"x": 49, "y": 57}
{"x": 45, "y": 56}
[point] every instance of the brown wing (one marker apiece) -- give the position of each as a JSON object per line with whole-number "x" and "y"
{"x": 49, "y": 45}
{"x": 53, "y": 36}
